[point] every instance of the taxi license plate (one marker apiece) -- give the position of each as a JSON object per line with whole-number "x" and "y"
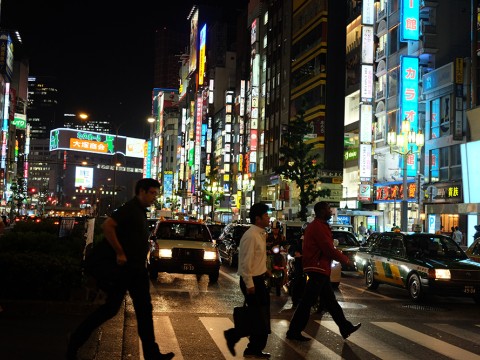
{"x": 469, "y": 289}
{"x": 191, "y": 267}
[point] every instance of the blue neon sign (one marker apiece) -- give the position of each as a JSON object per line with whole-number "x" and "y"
{"x": 409, "y": 101}
{"x": 409, "y": 20}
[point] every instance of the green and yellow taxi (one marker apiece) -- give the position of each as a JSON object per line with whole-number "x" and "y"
{"x": 473, "y": 251}
{"x": 422, "y": 263}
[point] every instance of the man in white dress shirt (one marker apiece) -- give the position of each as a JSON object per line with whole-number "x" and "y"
{"x": 252, "y": 259}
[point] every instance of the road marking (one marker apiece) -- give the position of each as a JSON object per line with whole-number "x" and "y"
{"x": 369, "y": 343}
{"x": 308, "y": 350}
{"x": 429, "y": 342}
{"x": 230, "y": 277}
{"x": 215, "y": 327}
{"x": 165, "y": 337}
{"x": 461, "y": 333}
{"x": 363, "y": 290}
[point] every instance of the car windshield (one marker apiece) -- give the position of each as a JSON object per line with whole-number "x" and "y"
{"x": 238, "y": 232}
{"x": 345, "y": 239}
{"x": 215, "y": 230}
{"x": 183, "y": 231}
{"x": 433, "y": 247}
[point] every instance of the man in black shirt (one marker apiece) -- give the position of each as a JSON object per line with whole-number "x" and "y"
{"x": 126, "y": 245}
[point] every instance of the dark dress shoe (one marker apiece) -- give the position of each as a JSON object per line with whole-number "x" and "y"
{"x": 231, "y": 340}
{"x": 350, "y": 331}
{"x": 297, "y": 337}
{"x": 256, "y": 354}
{"x": 166, "y": 356}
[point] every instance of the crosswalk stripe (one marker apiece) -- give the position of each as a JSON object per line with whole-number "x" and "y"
{"x": 430, "y": 342}
{"x": 369, "y": 343}
{"x": 165, "y": 337}
{"x": 215, "y": 327}
{"x": 308, "y": 350}
{"x": 453, "y": 330}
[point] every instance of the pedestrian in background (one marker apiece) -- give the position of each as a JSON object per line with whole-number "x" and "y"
{"x": 126, "y": 244}
{"x": 252, "y": 259}
{"x": 318, "y": 252}
{"x": 362, "y": 231}
{"x": 477, "y": 233}
{"x": 457, "y": 236}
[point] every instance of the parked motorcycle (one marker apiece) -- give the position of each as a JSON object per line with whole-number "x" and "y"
{"x": 296, "y": 278}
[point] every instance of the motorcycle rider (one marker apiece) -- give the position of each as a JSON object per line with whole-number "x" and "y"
{"x": 276, "y": 238}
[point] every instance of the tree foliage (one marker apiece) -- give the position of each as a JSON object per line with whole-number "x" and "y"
{"x": 300, "y": 164}
{"x": 210, "y": 195}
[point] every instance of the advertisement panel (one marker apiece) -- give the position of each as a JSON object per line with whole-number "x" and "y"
{"x": 89, "y": 141}
{"x": 409, "y": 20}
{"x": 368, "y": 12}
{"x": 367, "y": 45}
{"x": 6, "y": 55}
{"x": 83, "y": 177}
{"x": 409, "y": 102}
{"x": 20, "y": 121}
{"x": 202, "y": 57}
{"x": 365, "y": 162}
{"x": 192, "y": 66}
{"x": 366, "y": 112}
{"x": 135, "y": 148}
{"x": 367, "y": 83}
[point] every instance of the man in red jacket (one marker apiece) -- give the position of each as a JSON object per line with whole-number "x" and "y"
{"x": 318, "y": 252}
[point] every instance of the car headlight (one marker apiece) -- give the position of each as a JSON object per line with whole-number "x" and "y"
{"x": 442, "y": 274}
{"x": 165, "y": 253}
{"x": 210, "y": 255}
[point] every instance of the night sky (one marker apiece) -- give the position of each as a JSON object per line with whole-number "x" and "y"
{"x": 101, "y": 51}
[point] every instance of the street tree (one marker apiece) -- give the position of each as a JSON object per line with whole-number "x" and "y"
{"x": 211, "y": 194}
{"x": 18, "y": 188}
{"x": 299, "y": 163}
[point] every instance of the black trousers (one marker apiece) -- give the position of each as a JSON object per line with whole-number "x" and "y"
{"x": 260, "y": 311}
{"x": 318, "y": 285}
{"x": 137, "y": 283}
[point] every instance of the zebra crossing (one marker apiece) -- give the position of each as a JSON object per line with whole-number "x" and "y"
{"x": 380, "y": 339}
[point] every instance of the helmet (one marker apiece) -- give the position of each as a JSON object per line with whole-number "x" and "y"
{"x": 276, "y": 225}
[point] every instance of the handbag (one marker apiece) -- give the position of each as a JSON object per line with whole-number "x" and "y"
{"x": 242, "y": 319}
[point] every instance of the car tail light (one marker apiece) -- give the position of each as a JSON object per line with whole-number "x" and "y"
{"x": 210, "y": 255}
{"x": 165, "y": 253}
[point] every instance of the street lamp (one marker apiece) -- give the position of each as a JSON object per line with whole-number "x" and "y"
{"x": 402, "y": 144}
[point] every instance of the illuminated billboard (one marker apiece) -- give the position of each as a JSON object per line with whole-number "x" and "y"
{"x": 135, "y": 148}
{"x": 202, "y": 57}
{"x": 20, "y": 121}
{"x": 409, "y": 102}
{"x": 409, "y": 20}
{"x": 83, "y": 177}
{"x": 93, "y": 142}
{"x": 192, "y": 66}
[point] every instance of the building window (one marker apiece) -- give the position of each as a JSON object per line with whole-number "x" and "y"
{"x": 445, "y": 164}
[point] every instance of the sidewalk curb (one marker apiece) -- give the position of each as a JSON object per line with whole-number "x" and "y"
{"x": 106, "y": 342}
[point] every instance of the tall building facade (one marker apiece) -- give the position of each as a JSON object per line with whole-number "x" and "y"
{"x": 43, "y": 105}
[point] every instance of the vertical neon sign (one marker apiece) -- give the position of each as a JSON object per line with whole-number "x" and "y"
{"x": 409, "y": 101}
{"x": 202, "y": 57}
{"x": 410, "y": 20}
